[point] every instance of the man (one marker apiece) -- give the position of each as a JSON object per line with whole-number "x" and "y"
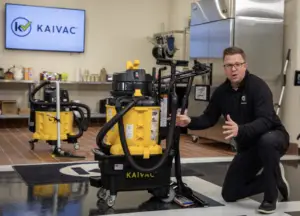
{"x": 246, "y": 103}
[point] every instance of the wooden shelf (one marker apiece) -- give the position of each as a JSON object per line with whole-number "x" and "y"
{"x": 18, "y": 81}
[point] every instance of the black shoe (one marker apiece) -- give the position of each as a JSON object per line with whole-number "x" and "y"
{"x": 267, "y": 208}
{"x": 282, "y": 184}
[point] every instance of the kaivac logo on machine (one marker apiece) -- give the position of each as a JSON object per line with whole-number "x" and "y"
{"x": 22, "y": 27}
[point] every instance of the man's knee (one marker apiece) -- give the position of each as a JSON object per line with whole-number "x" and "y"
{"x": 268, "y": 140}
{"x": 228, "y": 194}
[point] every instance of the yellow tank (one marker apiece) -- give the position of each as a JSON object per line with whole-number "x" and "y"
{"x": 46, "y": 125}
{"x": 141, "y": 126}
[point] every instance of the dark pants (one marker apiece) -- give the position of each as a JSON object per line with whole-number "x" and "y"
{"x": 242, "y": 180}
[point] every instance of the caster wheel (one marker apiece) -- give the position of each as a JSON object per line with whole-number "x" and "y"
{"x": 100, "y": 203}
{"x": 101, "y": 194}
{"x": 111, "y": 201}
{"x": 76, "y": 146}
{"x": 53, "y": 148}
{"x": 195, "y": 139}
{"x": 31, "y": 146}
{"x": 170, "y": 197}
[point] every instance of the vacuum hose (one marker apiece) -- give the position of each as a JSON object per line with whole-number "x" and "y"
{"x": 111, "y": 123}
{"x": 119, "y": 117}
{"x": 80, "y": 124}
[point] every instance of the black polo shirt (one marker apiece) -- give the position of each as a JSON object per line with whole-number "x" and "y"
{"x": 250, "y": 106}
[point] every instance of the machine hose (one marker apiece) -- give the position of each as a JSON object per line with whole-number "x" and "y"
{"x": 111, "y": 123}
{"x": 83, "y": 122}
{"x": 80, "y": 124}
{"x": 169, "y": 138}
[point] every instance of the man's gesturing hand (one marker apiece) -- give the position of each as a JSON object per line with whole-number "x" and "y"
{"x": 230, "y": 128}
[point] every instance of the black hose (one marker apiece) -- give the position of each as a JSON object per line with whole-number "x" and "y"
{"x": 31, "y": 96}
{"x": 84, "y": 121}
{"x": 169, "y": 140}
{"x": 111, "y": 123}
{"x": 79, "y": 124}
{"x": 80, "y": 130}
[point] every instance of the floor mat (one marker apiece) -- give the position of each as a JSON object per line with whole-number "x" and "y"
{"x": 57, "y": 173}
{"x": 69, "y": 172}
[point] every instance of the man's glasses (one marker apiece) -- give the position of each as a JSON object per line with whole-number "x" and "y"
{"x": 236, "y": 65}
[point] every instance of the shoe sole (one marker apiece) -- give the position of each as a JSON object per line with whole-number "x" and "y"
{"x": 284, "y": 179}
{"x": 265, "y": 211}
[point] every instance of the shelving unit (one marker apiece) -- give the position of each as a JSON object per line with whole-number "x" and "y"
{"x": 32, "y": 83}
{"x": 18, "y": 81}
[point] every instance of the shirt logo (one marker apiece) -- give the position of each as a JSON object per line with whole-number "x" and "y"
{"x": 243, "y": 99}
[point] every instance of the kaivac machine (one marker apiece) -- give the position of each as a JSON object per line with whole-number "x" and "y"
{"x": 130, "y": 154}
{"x": 53, "y": 120}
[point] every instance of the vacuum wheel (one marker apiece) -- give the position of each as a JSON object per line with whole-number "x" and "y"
{"x": 171, "y": 196}
{"x": 110, "y": 201}
{"x": 31, "y": 145}
{"x": 195, "y": 139}
{"x": 102, "y": 194}
{"x": 76, "y": 146}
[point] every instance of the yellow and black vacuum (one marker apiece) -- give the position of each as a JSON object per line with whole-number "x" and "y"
{"x": 53, "y": 119}
{"x": 129, "y": 151}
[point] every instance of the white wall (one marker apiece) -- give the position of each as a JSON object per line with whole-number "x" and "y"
{"x": 116, "y": 31}
{"x": 291, "y": 102}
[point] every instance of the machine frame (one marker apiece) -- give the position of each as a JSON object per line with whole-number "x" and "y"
{"x": 115, "y": 168}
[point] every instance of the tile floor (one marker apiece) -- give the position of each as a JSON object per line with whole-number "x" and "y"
{"x": 79, "y": 198}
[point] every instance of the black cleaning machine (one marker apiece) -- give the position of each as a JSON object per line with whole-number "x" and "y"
{"x": 129, "y": 152}
{"x": 52, "y": 119}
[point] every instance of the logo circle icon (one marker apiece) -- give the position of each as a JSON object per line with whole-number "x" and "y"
{"x": 21, "y": 26}
{"x": 81, "y": 170}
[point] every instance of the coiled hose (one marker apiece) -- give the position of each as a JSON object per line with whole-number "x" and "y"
{"x": 118, "y": 118}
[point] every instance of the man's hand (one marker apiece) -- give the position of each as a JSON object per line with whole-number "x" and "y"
{"x": 182, "y": 120}
{"x": 230, "y": 128}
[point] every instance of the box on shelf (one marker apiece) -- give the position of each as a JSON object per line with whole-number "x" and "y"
{"x": 24, "y": 111}
{"x": 9, "y": 107}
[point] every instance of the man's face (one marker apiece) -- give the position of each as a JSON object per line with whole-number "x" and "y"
{"x": 235, "y": 68}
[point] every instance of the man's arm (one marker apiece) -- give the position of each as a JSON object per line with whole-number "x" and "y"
{"x": 209, "y": 117}
{"x": 263, "y": 113}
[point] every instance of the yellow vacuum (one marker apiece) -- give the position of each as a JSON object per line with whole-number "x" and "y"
{"x": 129, "y": 149}
{"x": 53, "y": 120}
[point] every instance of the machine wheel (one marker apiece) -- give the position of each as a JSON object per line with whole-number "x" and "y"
{"x": 101, "y": 194}
{"x": 76, "y": 146}
{"x": 171, "y": 196}
{"x": 31, "y": 145}
{"x": 111, "y": 201}
{"x": 195, "y": 139}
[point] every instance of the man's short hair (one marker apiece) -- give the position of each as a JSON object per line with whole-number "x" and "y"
{"x": 234, "y": 50}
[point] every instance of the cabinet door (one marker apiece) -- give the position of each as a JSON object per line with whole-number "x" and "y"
{"x": 199, "y": 41}
{"x": 210, "y": 39}
{"x": 211, "y": 10}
